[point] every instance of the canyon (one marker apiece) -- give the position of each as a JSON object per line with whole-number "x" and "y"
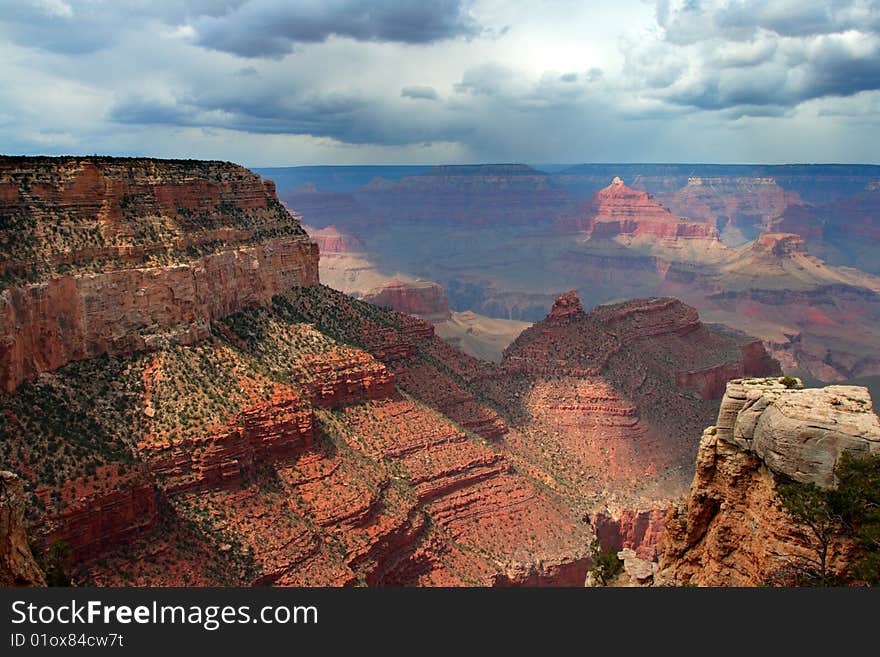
{"x": 503, "y": 241}
{"x": 185, "y": 400}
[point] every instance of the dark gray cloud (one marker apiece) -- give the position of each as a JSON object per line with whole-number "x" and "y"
{"x": 741, "y": 20}
{"x": 272, "y": 28}
{"x": 347, "y": 118}
{"x": 249, "y": 28}
{"x": 76, "y": 27}
{"x": 725, "y": 80}
{"x": 419, "y": 93}
{"x": 759, "y": 58}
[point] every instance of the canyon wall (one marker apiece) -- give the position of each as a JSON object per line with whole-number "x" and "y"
{"x": 114, "y": 256}
{"x": 731, "y": 529}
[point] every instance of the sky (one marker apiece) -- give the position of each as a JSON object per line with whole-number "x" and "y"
{"x": 281, "y": 82}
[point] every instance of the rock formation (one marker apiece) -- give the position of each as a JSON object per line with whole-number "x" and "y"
{"x": 424, "y": 299}
{"x": 638, "y": 530}
{"x": 566, "y": 307}
{"x": 620, "y": 211}
{"x": 112, "y": 256}
{"x": 17, "y": 565}
{"x": 740, "y": 207}
{"x": 731, "y": 529}
{"x": 601, "y": 402}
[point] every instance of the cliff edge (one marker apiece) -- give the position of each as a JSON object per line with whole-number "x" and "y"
{"x": 732, "y": 530}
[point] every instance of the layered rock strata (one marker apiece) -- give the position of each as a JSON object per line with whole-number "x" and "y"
{"x": 424, "y": 299}
{"x": 112, "y": 256}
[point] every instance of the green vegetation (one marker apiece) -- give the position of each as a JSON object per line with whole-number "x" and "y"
{"x": 54, "y": 562}
{"x": 788, "y": 381}
{"x": 73, "y": 424}
{"x": 606, "y": 564}
{"x": 850, "y": 511}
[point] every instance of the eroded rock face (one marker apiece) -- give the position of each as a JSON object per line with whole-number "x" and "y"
{"x": 731, "y": 529}
{"x": 119, "y": 255}
{"x": 604, "y": 400}
{"x": 639, "y": 531}
{"x": 17, "y": 565}
{"x": 566, "y": 307}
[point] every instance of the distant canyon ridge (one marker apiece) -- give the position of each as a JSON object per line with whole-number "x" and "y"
{"x": 786, "y": 253}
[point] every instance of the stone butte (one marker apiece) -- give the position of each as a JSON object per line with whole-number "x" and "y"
{"x": 602, "y": 405}
{"x": 620, "y": 211}
{"x": 732, "y": 531}
{"x": 107, "y": 255}
{"x": 424, "y": 299}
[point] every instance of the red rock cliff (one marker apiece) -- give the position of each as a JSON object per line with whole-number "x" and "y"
{"x": 103, "y": 255}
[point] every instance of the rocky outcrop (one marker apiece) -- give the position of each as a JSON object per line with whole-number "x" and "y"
{"x": 731, "y": 529}
{"x": 260, "y": 434}
{"x": 115, "y": 246}
{"x": 800, "y": 434}
{"x": 332, "y": 241}
{"x": 630, "y": 529}
{"x": 17, "y": 565}
{"x": 424, "y": 299}
{"x": 778, "y": 245}
{"x": 566, "y": 307}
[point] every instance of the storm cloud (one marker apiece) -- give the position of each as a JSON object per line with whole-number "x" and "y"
{"x": 351, "y": 81}
{"x": 747, "y": 55}
{"x": 271, "y": 28}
